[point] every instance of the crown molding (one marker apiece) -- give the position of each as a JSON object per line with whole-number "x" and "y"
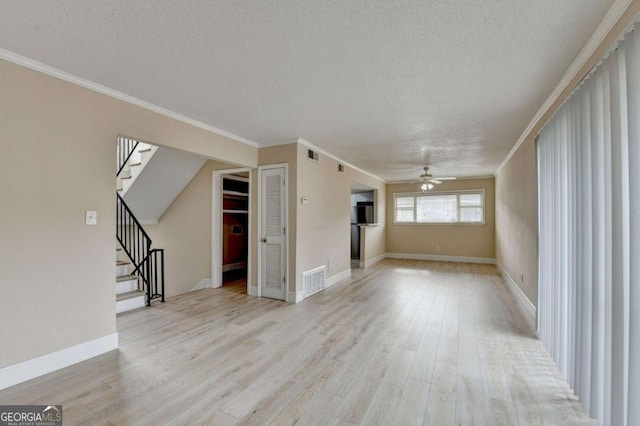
{"x": 608, "y": 23}
{"x": 280, "y": 143}
{"x": 87, "y": 84}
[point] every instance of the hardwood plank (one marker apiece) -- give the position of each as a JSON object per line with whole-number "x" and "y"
{"x": 441, "y": 409}
{"x": 312, "y": 407}
{"x": 385, "y": 402}
{"x": 359, "y": 399}
{"x": 413, "y": 335}
{"x": 220, "y": 418}
{"x": 425, "y": 359}
{"x": 413, "y": 403}
{"x": 470, "y": 407}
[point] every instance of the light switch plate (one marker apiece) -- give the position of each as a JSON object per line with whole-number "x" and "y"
{"x": 91, "y": 217}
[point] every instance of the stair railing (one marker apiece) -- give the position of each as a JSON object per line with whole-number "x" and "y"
{"x": 148, "y": 263}
{"x": 124, "y": 149}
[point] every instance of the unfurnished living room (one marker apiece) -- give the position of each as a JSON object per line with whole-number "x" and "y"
{"x": 320, "y": 212}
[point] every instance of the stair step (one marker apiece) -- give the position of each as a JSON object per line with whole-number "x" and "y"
{"x": 118, "y": 249}
{"x": 134, "y": 164}
{"x": 122, "y": 262}
{"x": 127, "y": 286}
{"x": 129, "y": 301}
{"x": 129, "y": 295}
{"x": 145, "y": 150}
{"x": 125, "y": 177}
{"x": 122, "y": 278}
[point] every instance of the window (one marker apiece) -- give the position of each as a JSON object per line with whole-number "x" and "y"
{"x": 439, "y": 207}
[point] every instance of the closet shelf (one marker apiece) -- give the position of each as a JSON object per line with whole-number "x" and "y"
{"x": 234, "y": 211}
{"x": 241, "y": 194}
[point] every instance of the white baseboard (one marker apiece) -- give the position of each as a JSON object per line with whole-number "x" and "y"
{"x": 518, "y": 293}
{"x": 373, "y": 261}
{"x": 36, "y": 367}
{"x": 204, "y": 283}
{"x": 295, "y": 297}
{"x": 328, "y": 282}
{"x": 462, "y": 259}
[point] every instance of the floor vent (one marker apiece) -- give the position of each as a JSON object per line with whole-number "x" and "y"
{"x": 313, "y": 280}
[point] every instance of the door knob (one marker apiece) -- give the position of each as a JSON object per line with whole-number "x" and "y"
{"x": 264, "y": 240}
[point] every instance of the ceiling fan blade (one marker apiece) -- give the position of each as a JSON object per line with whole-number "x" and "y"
{"x": 435, "y": 181}
{"x": 446, "y": 178}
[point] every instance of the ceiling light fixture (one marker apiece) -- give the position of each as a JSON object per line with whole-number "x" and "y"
{"x": 428, "y": 181}
{"x": 426, "y": 186}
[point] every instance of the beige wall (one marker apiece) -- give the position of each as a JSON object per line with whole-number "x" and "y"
{"x": 184, "y": 231}
{"x": 453, "y": 240}
{"x": 517, "y": 216}
{"x": 57, "y": 275}
{"x": 323, "y": 225}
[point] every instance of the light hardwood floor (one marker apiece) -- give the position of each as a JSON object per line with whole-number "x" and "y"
{"x": 403, "y": 342}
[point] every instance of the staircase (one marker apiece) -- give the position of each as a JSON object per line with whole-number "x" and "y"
{"x": 139, "y": 268}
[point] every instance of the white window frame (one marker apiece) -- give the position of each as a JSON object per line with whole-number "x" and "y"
{"x": 397, "y": 195}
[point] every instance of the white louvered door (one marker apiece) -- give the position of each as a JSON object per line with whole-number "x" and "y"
{"x": 272, "y": 228}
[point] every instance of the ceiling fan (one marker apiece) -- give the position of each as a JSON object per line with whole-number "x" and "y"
{"x": 429, "y": 181}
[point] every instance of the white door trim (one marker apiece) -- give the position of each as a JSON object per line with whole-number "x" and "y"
{"x": 286, "y": 225}
{"x": 216, "y": 227}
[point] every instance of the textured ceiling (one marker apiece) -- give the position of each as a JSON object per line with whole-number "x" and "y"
{"x": 386, "y": 85}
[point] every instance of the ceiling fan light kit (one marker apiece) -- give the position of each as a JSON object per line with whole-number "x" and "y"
{"x": 428, "y": 181}
{"x": 426, "y": 186}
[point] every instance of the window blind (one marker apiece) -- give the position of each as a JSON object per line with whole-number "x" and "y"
{"x": 589, "y": 237}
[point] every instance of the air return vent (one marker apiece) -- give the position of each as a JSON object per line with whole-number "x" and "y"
{"x": 313, "y": 155}
{"x": 313, "y": 280}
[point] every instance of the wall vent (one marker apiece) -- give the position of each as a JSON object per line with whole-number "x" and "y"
{"x": 341, "y": 168}
{"x": 313, "y": 280}
{"x": 313, "y": 155}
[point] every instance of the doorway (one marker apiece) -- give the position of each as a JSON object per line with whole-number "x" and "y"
{"x": 235, "y": 227}
{"x": 362, "y": 214}
{"x": 231, "y": 229}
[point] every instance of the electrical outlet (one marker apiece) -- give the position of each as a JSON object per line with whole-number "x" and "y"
{"x": 437, "y": 248}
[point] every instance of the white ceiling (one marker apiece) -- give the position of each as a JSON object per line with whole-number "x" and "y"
{"x": 386, "y": 85}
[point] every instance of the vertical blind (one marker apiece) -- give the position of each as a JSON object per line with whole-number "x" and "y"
{"x": 589, "y": 237}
